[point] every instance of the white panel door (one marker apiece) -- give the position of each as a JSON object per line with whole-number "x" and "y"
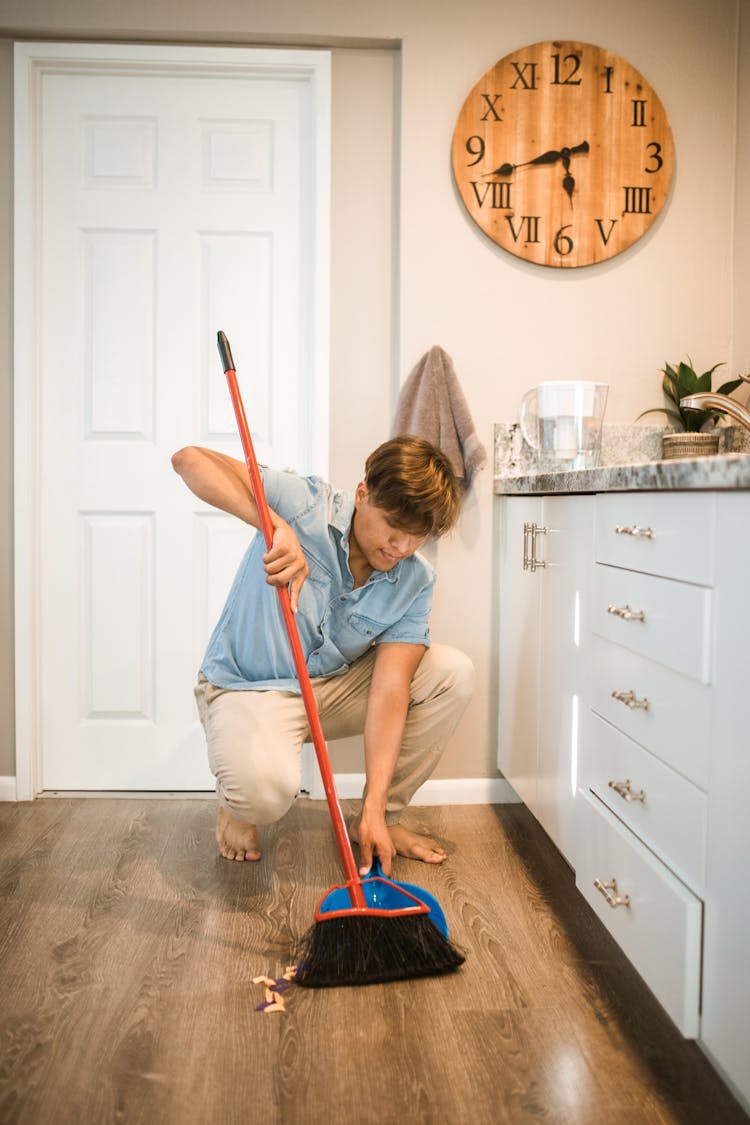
{"x": 174, "y": 201}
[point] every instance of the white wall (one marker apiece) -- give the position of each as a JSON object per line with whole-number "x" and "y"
{"x": 741, "y": 263}
{"x": 427, "y": 275}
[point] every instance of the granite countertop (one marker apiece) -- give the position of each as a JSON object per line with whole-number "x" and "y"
{"x": 629, "y": 462}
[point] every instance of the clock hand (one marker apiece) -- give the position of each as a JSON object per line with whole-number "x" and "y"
{"x": 582, "y": 147}
{"x": 549, "y": 157}
{"x": 568, "y": 181}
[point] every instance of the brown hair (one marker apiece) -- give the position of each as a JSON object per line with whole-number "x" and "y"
{"x": 414, "y": 483}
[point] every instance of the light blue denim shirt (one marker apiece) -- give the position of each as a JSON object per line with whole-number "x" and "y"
{"x": 249, "y": 647}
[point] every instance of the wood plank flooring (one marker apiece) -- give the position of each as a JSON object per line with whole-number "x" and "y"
{"x": 128, "y": 948}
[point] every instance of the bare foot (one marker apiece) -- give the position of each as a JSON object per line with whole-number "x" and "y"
{"x": 236, "y": 839}
{"x": 410, "y": 845}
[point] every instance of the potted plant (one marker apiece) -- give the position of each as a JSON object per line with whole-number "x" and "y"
{"x": 689, "y": 440}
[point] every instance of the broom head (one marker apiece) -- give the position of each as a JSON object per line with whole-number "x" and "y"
{"x": 400, "y": 934}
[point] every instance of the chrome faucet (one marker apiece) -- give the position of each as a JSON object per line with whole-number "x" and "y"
{"x": 723, "y": 404}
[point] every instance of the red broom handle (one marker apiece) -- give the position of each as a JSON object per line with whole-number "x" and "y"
{"x": 311, "y": 707}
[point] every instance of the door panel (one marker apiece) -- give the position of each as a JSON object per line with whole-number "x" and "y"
{"x": 563, "y": 662}
{"x": 520, "y": 608}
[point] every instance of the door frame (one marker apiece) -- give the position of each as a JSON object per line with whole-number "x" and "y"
{"x": 32, "y": 61}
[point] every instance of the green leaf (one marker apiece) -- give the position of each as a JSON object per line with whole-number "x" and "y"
{"x": 686, "y": 379}
{"x": 732, "y": 385}
{"x": 664, "y": 410}
{"x": 670, "y": 373}
{"x": 703, "y": 382}
{"x": 670, "y": 387}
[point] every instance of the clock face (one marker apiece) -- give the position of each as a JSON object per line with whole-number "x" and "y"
{"x": 563, "y": 154}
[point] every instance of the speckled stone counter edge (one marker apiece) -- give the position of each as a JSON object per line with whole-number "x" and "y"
{"x": 629, "y": 462}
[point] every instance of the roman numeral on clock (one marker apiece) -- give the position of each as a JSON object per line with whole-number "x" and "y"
{"x": 498, "y": 191}
{"x": 637, "y": 200}
{"x": 525, "y": 74}
{"x": 491, "y": 113}
{"x": 605, "y": 235}
{"x": 639, "y": 112}
{"x": 530, "y": 223}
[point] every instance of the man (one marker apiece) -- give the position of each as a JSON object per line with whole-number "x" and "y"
{"x": 362, "y": 598}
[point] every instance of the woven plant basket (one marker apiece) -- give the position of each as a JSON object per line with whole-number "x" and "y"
{"x": 689, "y": 445}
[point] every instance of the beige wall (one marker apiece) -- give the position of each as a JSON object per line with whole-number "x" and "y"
{"x": 426, "y": 275}
{"x": 741, "y": 263}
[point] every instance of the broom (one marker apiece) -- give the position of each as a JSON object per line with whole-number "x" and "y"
{"x": 367, "y": 930}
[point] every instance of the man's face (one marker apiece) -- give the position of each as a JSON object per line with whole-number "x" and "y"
{"x": 382, "y": 544}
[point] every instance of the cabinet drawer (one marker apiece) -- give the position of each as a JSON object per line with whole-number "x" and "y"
{"x": 671, "y": 818}
{"x": 675, "y": 629}
{"x": 676, "y": 724}
{"x": 681, "y": 543}
{"x": 660, "y": 929}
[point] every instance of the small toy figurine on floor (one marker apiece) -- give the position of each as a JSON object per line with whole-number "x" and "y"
{"x": 275, "y": 989}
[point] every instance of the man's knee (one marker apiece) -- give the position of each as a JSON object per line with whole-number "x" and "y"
{"x": 257, "y": 768}
{"x": 450, "y": 672}
{"x": 259, "y": 796}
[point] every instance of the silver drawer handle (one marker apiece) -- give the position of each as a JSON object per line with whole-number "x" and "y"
{"x": 613, "y": 899}
{"x": 635, "y": 531}
{"x": 625, "y": 789}
{"x": 534, "y": 562}
{"x": 626, "y": 613}
{"x": 630, "y": 699}
{"x": 530, "y": 560}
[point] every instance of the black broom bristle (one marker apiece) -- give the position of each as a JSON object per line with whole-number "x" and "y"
{"x": 371, "y": 949}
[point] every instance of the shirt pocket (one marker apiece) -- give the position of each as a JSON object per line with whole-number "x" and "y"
{"x": 366, "y": 627}
{"x": 352, "y": 634}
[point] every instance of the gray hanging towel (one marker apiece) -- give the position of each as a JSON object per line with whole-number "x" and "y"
{"x": 432, "y": 405}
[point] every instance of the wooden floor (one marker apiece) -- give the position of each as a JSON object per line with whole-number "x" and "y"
{"x": 128, "y": 949}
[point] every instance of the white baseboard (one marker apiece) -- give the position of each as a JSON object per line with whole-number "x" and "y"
{"x": 8, "y": 790}
{"x": 436, "y": 791}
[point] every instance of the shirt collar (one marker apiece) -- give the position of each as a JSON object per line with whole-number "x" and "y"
{"x": 341, "y": 514}
{"x": 341, "y": 520}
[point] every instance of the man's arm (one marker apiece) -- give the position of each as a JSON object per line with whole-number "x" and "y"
{"x": 388, "y": 702}
{"x": 224, "y": 483}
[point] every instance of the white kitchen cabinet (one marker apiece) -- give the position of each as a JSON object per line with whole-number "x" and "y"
{"x": 520, "y": 607}
{"x": 545, "y": 553}
{"x": 666, "y": 716}
{"x": 652, "y": 916}
{"x": 642, "y": 820}
{"x": 725, "y": 1020}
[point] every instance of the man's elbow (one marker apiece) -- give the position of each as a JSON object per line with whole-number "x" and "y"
{"x": 183, "y": 459}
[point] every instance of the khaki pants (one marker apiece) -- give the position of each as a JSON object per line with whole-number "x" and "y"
{"x": 255, "y": 737}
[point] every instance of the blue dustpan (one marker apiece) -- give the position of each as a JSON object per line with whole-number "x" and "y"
{"x": 384, "y": 896}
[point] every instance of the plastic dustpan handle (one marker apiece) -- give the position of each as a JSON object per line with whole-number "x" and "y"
{"x": 354, "y": 885}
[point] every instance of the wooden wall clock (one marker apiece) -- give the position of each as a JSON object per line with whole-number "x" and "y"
{"x": 563, "y": 154}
